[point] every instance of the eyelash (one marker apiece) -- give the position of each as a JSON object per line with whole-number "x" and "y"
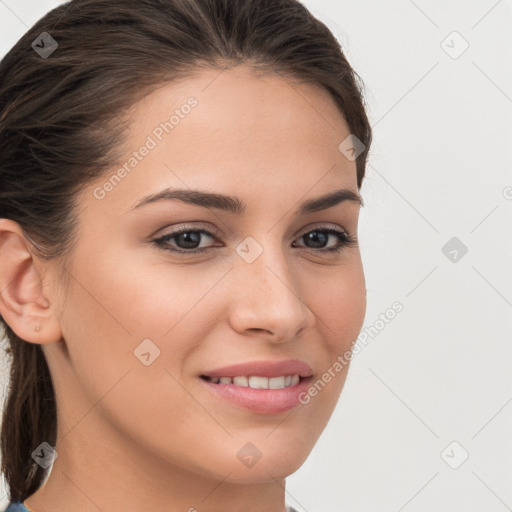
{"x": 345, "y": 240}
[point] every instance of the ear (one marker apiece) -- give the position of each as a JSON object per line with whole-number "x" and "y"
{"x": 23, "y": 305}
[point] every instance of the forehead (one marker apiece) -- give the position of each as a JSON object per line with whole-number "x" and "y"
{"x": 240, "y": 109}
{"x": 235, "y": 130}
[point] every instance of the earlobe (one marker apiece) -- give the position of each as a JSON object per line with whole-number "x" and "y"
{"x": 23, "y": 305}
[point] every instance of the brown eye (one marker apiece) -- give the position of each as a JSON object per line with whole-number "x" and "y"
{"x": 188, "y": 240}
{"x": 318, "y": 238}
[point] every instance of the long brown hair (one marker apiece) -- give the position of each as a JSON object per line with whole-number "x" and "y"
{"x": 62, "y": 126}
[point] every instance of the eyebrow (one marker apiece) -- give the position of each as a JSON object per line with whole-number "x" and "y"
{"x": 238, "y": 207}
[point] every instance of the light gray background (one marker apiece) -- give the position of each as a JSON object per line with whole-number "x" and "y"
{"x": 440, "y": 371}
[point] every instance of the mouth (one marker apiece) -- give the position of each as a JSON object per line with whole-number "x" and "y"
{"x": 257, "y": 381}
{"x": 258, "y": 394}
{"x": 263, "y": 387}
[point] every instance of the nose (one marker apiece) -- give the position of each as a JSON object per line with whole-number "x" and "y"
{"x": 266, "y": 297}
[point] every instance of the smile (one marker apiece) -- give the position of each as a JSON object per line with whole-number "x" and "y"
{"x": 256, "y": 381}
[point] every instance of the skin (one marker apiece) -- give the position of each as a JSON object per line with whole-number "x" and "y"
{"x": 135, "y": 437}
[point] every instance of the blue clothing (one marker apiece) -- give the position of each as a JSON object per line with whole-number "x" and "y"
{"x": 16, "y": 506}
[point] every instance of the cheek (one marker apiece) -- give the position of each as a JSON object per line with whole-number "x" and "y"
{"x": 339, "y": 302}
{"x": 110, "y": 308}
{"x": 136, "y": 298}
{"x": 129, "y": 314}
{"x": 105, "y": 321}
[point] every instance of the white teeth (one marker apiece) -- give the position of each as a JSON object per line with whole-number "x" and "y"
{"x": 241, "y": 381}
{"x": 257, "y": 382}
{"x": 276, "y": 382}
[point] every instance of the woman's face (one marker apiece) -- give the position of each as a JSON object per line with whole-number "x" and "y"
{"x": 143, "y": 322}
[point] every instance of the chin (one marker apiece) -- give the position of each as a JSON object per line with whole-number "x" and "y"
{"x": 272, "y": 460}
{"x": 278, "y": 460}
{"x": 265, "y": 471}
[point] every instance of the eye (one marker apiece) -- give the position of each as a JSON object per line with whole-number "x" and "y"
{"x": 320, "y": 236}
{"x": 189, "y": 239}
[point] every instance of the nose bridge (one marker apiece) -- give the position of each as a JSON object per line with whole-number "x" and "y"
{"x": 268, "y": 297}
{"x": 268, "y": 271}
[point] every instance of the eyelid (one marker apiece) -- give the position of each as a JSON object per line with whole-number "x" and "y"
{"x": 322, "y": 225}
{"x": 345, "y": 238}
{"x": 217, "y": 232}
{"x": 191, "y": 227}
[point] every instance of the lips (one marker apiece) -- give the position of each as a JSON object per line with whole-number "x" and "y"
{"x": 260, "y": 401}
{"x": 268, "y": 396}
{"x": 267, "y": 369}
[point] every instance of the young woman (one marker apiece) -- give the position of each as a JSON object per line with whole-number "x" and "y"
{"x": 181, "y": 283}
